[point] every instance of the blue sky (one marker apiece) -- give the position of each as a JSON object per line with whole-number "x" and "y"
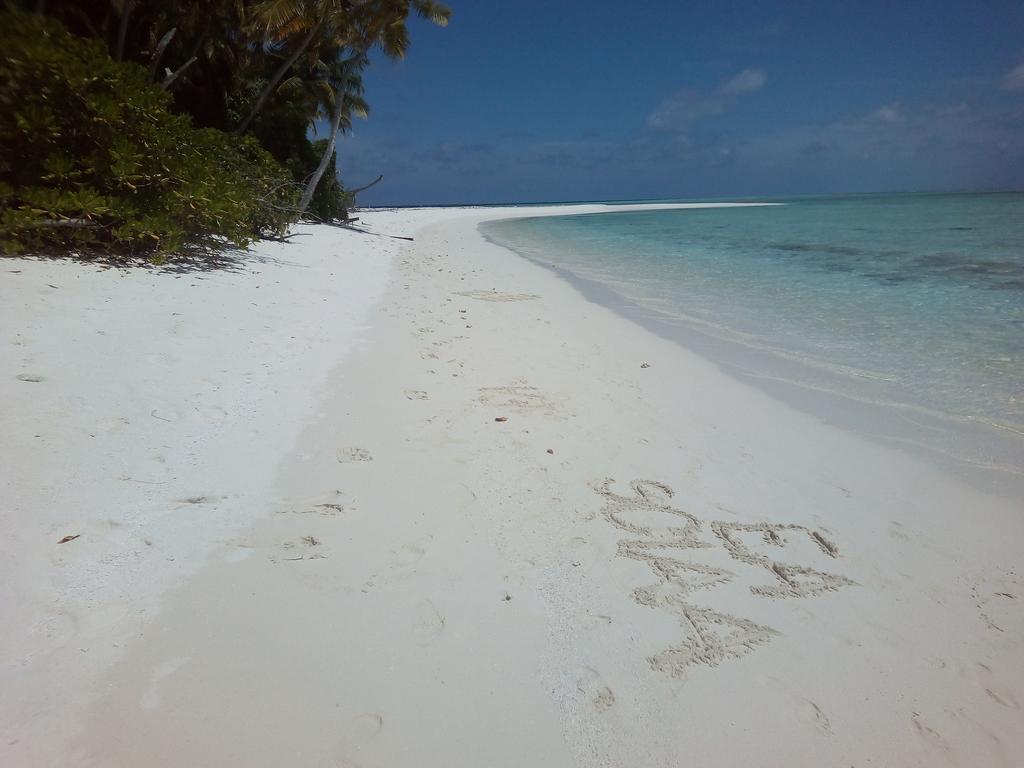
{"x": 559, "y": 100}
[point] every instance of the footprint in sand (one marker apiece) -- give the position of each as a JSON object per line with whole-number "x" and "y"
{"x": 211, "y": 413}
{"x": 513, "y": 397}
{"x": 998, "y": 600}
{"x": 355, "y": 734}
{"x": 592, "y": 687}
{"x": 897, "y": 532}
{"x": 498, "y": 296}
{"x": 933, "y": 739}
{"x": 409, "y": 554}
{"x": 237, "y": 553}
{"x": 30, "y": 377}
{"x": 350, "y": 455}
{"x": 993, "y": 689}
{"x": 151, "y": 697}
{"x": 197, "y": 500}
{"x": 328, "y": 504}
{"x": 161, "y": 359}
{"x": 327, "y": 509}
{"x": 367, "y": 726}
{"x": 306, "y": 548}
{"x": 111, "y": 424}
{"x": 62, "y": 626}
{"x": 429, "y": 622}
{"x": 416, "y": 394}
{"x": 806, "y": 711}
{"x": 809, "y": 712}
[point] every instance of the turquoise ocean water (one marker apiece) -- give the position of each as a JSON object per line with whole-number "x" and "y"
{"x": 904, "y": 313}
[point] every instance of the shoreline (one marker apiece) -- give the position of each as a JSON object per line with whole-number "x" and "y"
{"x": 986, "y": 454}
{"x": 421, "y": 579}
{"x": 994, "y": 445}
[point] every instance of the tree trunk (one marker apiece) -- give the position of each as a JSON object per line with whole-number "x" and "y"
{"x": 158, "y": 53}
{"x": 122, "y": 30}
{"x": 307, "y": 193}
{"x": 172, "y": 76}
{"x": 269, "y": 89}
{"x": 194, "y": 53}
{"x": 357, "y": 190}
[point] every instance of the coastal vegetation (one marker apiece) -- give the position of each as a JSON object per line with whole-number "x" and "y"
{"x": 149, "y": 128}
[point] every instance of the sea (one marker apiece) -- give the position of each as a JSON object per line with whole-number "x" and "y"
{"x": 898, "y": 316}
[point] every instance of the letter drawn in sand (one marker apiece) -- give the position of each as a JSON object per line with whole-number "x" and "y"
{"x": 634, "y": 514}
{"x": 794, "y": 580}
{"x": 663, "y": 534}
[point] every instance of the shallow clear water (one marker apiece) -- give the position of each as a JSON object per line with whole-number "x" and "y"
{"x": 915, "y": 301}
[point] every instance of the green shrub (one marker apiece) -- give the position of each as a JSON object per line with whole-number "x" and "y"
{"x": 90, "y": 156}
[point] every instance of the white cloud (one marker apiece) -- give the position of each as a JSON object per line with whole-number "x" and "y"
{"x": 685, "y": 107}
{"x": 1014, "y": 79}
{"x": 907, "y": 145}
{"x": 890, "y": 113}
{"x": 774, "y": 29}
{"x": 747, "y": 81}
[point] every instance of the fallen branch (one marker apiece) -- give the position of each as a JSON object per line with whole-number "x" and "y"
{"x": 73, "y": 223}
{"x": 348, "y": 224}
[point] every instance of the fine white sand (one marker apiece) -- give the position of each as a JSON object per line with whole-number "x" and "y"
{"x": 305, "y": 539}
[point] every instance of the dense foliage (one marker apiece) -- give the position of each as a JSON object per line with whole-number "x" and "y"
{"x": 91, "y": 156}
{"x": 145, "y": 125}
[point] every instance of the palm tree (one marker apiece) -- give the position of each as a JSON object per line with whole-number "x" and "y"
{"x": 382, "y": 23}
{"x": 296, "y": 25}
{"x": 344, "y": 98}
{"x": 292, "y": 25}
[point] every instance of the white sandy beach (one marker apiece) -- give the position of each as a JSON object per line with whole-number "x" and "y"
{"x": 303, "y": 538}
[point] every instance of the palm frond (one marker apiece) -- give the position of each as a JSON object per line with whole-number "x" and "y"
{"x": 357, "y": 105}
{"x": 394, "y": 40}
{"x": 438, "y": 13}
{"x": 272, "y": 16}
